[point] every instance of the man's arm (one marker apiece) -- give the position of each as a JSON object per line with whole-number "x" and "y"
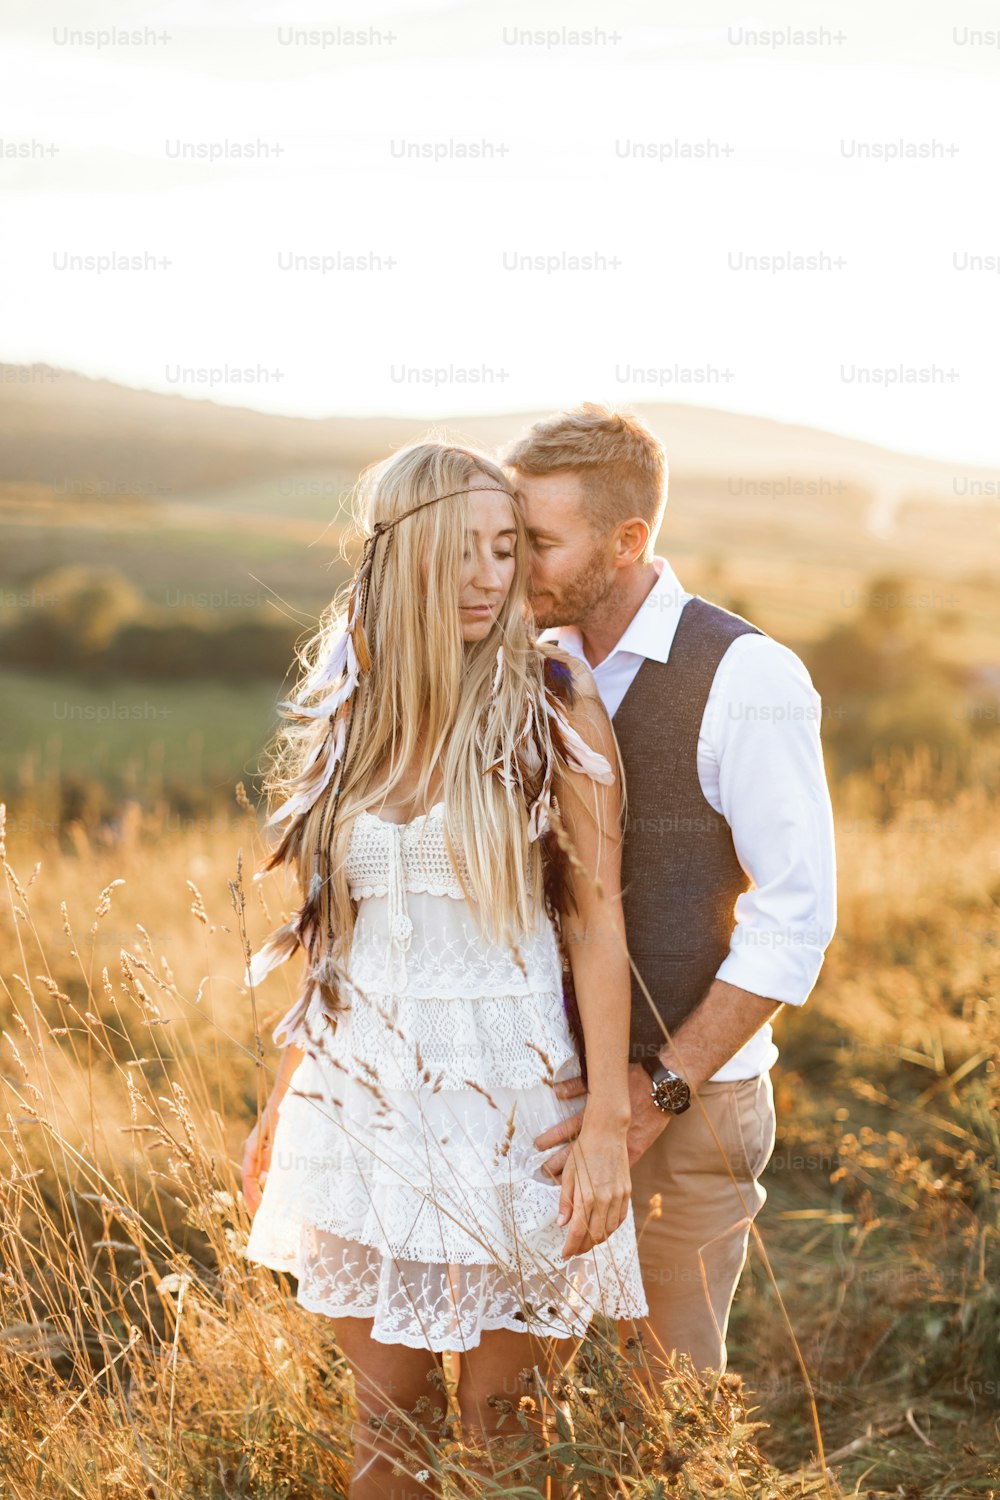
{"x": 762, "y": 726}
{"x": 713, "y": 1033}
{"x": 724, "y": 1021}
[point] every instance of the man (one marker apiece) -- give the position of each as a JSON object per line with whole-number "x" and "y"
{"x": 728, "y": 864}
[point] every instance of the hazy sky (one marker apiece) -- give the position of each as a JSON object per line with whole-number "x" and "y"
{"x": 543, "y": 258}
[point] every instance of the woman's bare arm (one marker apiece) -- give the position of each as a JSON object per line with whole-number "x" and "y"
{"x": 595, "y": 933}
{"x": 290, "y": 1059}
{"x": 257, "y": 1146}
{"x": 595, "y": 1185}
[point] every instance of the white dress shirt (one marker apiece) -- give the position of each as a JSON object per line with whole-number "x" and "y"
{"x": 760, "y": 764}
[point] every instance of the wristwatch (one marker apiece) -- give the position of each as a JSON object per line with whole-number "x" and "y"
{"x": 670, "y": 1092}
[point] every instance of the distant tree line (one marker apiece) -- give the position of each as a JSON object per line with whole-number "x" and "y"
{"x": 95, "y": 623}
{"x": 878, "y": 674}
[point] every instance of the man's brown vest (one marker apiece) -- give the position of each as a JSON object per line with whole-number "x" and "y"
{"x": 680, "y": 873}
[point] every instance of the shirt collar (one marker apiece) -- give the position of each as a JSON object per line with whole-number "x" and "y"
{"x": 650, "y": 632}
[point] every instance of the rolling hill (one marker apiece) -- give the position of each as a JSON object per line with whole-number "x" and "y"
{"x": 193, "y": 500}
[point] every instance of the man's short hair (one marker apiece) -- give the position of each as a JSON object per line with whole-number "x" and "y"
{"x": 621, "y": 466}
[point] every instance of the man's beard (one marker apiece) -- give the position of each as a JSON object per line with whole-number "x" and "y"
{"x": 576, "y": 600}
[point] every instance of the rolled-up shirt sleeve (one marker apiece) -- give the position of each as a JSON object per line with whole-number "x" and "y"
{"x": 762, "y": 725}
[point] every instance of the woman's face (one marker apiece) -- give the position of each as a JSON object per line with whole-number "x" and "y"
{"x": 488, "y": 569}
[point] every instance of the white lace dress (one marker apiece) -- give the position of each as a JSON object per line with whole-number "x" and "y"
{"x": 404, "y": 1183}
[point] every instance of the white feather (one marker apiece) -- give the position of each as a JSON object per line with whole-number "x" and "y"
{"x": 332, "y": 748}
{"x": 276, "y": 949}
{"x": 581, "y": 757}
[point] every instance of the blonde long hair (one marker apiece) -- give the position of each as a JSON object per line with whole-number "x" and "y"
{"x": 476, "y": 716}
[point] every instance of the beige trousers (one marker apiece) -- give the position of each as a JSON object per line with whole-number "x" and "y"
{"x": 693, "y": 1254}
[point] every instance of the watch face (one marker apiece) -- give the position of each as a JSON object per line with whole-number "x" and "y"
{"x": 671, "y": 1093}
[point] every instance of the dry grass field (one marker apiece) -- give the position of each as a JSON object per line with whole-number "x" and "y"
{"x": 140, "y": 1354}
{"x": 158, "y": 559}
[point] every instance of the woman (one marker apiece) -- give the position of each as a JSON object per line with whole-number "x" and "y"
{"x": 454, "y": 822}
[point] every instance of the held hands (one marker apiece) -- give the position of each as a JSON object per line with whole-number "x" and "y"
{"x": 647, "y": 1121}
{"x": 596, "y": 1187}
